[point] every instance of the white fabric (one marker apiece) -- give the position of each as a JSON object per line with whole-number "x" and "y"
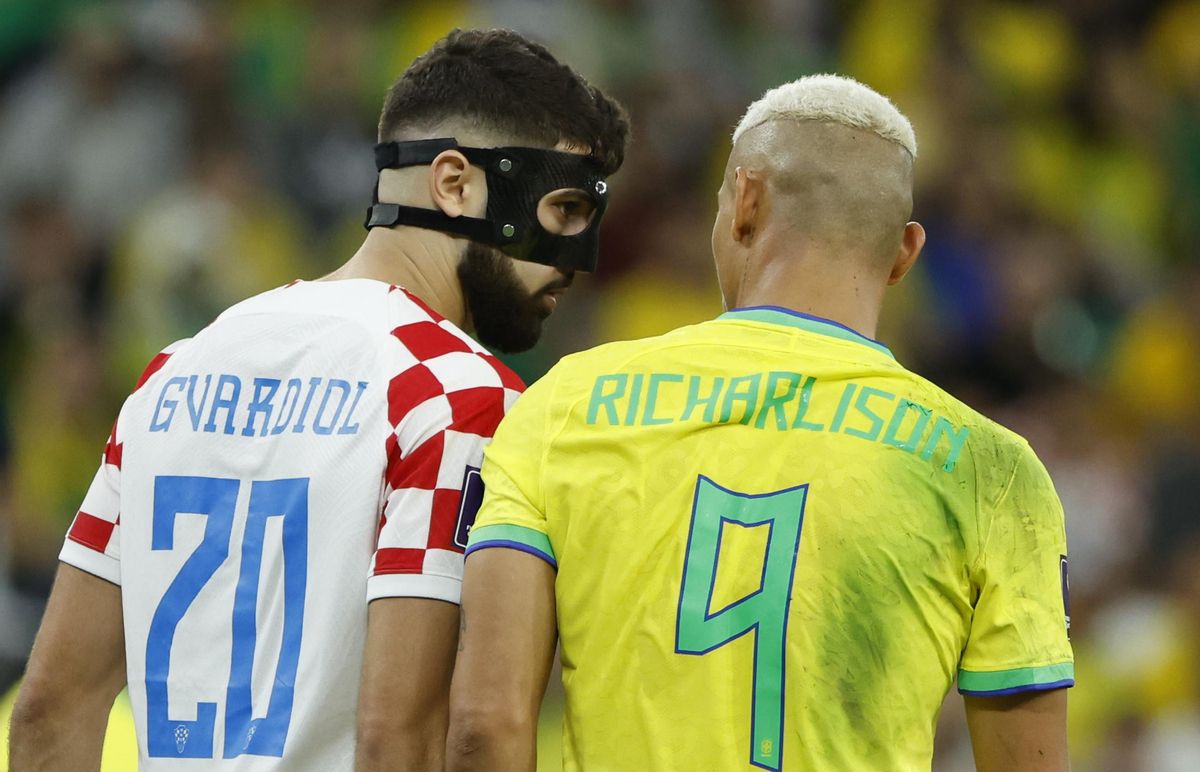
{"x": 334, "y": 368}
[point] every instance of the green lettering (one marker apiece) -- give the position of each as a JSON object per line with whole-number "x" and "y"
{"x": 694, "y": 400}
{"x": 891, "y": 437}
{"x": 958, "y": 438}
{"x": 776, "y": 401}
{"x": 635, "y": 395}
{"x": 656, "y": 379}
{"x": 861, "y": 406}
{"x": 607, "y": 400}
{"x": 747, "y": 396}
{"x": 840, "y": 414}
{"x": 802, "y": 409}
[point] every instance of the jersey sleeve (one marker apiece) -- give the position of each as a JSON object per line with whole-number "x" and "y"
{"x": 445, "y": 410}
{"x": 513, "y": 514}
{"x": 1019, "y": 632}
{"x": 92, "y": 544}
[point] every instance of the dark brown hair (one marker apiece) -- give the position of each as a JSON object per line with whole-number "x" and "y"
{"x": 497, "y": 80}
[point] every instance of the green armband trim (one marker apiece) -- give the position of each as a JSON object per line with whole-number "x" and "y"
{"x": 1022, "y": 679}
{"x": 516, "y": 537}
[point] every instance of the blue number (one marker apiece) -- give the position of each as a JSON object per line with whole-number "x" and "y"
{"x": 244, "y": 733}
{"x": 763, "y": 612}
{"x": 216, "y": 498}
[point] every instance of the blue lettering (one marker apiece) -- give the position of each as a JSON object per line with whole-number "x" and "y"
{"x": 261, "y": 404}
{"x": 347, "y": 428}
{"x": 313, "y": 383}
{"x": 158, "y": 423}
{"x": 196, "y": 412}
{"x": 226, "y": 402}
{"x": 292, "y": 392}
{"x": 329, "y": 387}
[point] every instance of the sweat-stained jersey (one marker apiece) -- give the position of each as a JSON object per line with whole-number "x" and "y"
{"x": 314, "y": 448}
{"x": 776, "y": 548}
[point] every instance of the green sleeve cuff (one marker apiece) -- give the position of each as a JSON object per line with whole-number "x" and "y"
{"x": 516, "y": 537}
{"x": 1024, "y": 679}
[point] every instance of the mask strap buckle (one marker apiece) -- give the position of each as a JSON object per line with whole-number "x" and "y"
{"x": 474, "y": 228}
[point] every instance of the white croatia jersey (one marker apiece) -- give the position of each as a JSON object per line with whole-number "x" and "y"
{"x": 314, "y": 448}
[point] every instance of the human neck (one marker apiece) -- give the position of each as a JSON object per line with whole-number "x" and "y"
{"x": 816, "y": 285}
{"x": 421, "y": 261}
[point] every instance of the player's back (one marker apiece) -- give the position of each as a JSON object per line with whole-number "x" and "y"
{"x": 252, "y": 467}
{"x": 771, "y": 542}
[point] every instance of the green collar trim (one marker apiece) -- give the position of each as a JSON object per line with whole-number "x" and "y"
{"x": 789, "y": 318}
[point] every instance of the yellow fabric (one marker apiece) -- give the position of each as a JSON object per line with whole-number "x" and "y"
{"x": 915, "y": 558}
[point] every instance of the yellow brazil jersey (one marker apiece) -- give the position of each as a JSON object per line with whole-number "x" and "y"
{"x": 776, "y": 548}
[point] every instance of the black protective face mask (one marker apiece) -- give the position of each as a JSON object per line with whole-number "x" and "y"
{"x": 517, "y": 178}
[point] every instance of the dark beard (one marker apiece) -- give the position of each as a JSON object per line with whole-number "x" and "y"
{"x": 506, "y": 316}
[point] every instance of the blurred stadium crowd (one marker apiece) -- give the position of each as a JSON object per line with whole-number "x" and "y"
{"x": 162, "y": 159}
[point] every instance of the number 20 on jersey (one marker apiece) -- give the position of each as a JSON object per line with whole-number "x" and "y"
{"x": 215, "y": 499}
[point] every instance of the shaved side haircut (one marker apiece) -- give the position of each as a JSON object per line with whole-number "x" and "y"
{"x": 838, "y": 159}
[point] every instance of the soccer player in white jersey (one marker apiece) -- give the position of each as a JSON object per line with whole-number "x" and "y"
{"x": 317, "y": 448}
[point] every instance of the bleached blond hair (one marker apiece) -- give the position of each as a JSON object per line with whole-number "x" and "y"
{"x": 831, "y": 99}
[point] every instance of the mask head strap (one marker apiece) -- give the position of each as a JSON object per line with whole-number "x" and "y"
{"x": 398, "y": 155}
{"x": 511, "y": 224}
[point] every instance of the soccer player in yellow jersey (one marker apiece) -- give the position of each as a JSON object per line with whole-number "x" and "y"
{"x": 761, "y": 541}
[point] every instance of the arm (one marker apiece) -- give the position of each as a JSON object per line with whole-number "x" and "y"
{"x": 505, "y": 655}
{"x": 1019, "y": 733}
{"x": 403, "y": 699}
{"x": 1017, "y": 661}
{"x": 75, "y": 672}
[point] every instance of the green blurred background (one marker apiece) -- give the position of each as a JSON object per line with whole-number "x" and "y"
{"x": 162, "y": 159}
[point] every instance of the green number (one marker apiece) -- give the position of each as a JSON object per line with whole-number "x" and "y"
{"x": 699, "y": 631}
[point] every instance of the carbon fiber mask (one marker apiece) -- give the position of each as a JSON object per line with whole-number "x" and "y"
{"x": 517, "y": 178}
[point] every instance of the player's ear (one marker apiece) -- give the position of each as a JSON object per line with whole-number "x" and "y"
{"x": 911, "y": 244}
{"x": 748, "y": 189}
{"x": 455, "y": 186}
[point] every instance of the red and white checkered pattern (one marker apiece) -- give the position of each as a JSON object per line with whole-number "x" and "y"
{"x": 384, "y": 490}
{"x": 93, "y": 542}
{"x": 444, "y": 405}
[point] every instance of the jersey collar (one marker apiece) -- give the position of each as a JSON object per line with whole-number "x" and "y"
{"x": 790, "y": 318}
